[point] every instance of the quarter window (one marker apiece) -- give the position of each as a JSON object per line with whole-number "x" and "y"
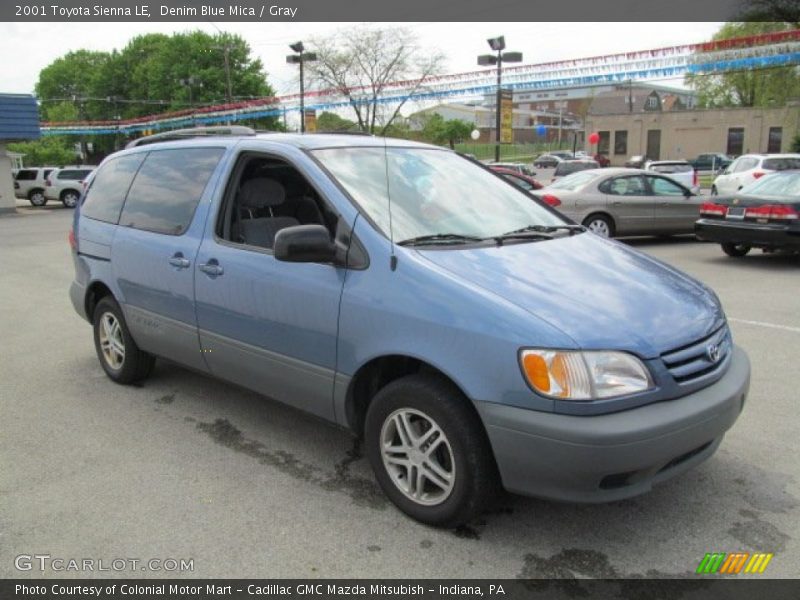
{"x": 167, "y": 189}
{"x": 110, "y": 185}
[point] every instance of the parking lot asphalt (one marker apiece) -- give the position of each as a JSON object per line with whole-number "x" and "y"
{"x": 187, "y": 467}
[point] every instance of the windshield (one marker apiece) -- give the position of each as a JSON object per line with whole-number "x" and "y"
{"x": 433, "y": 192}
{"x": 777, "y": 184}
{"x": 574, "y": 181}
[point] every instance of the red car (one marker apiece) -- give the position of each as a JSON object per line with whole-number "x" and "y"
{"x": 526, "y": 182}
{"x": 602, "y": 160}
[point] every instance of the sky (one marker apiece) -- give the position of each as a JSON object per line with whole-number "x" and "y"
{"x": 35, "y": 45}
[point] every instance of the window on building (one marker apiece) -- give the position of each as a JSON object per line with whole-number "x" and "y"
{"x": 735, "y": 141}
{"x": 652, "y": 102}
{"x": 621, "y": 142}
{"x": 604, "y": 143}
{"x": 775, "y": 139}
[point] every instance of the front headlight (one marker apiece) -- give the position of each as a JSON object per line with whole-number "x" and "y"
{"x": 591, "y": 375}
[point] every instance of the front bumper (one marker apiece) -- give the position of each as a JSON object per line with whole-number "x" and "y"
{"x": 747, "y": 232}
{"x": 608, "y": 457}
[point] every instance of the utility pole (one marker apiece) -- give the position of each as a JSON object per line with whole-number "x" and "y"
{"x": 498, "y": 44}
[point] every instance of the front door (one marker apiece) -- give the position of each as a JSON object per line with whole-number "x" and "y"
{"x": 630, "y": 204}
{"x": 264, "y": 324}
{"x": 654, "y": 144}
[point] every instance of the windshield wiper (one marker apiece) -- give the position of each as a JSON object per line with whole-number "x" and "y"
{"x": 440, "y": 238}
{"x": 547, "y": 229}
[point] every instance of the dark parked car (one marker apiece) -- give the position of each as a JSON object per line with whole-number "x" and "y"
{"x": 547, "y": 161}
{"x": 710, "y": 161}
{"x": 526, "y": 182}
{"x": 568, "y": 167}
{"x": 764, "y": 214}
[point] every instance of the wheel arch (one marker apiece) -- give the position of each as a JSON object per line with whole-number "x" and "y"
{"x": 378, "y": 372}
{"x": 95, "y": 292}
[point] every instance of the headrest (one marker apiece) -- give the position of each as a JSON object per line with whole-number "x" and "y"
{"x": 261, "y": 192}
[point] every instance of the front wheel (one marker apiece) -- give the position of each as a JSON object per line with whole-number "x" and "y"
{"x": 429, "y": 451}
{"x": 735, "y": 250}
{"x": 70, "y": 198}
{"x": 599, "y": 224}
{"x": 120, "y": 357}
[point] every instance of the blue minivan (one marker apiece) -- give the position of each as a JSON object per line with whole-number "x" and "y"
{"x": 472, "y": 336}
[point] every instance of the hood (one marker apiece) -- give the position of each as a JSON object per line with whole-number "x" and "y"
{"x": 600, "y": 293}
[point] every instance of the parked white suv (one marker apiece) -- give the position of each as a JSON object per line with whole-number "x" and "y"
{"x": 749, "y": 167}
{"x": 66, "y": 184}
{"x": 29, "y": 184}
{"x": 679, "y": 170}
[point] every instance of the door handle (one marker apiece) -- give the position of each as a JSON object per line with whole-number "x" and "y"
{"x": 211, "y": 268}
{"x": 179, "y": 261}
{"x": 616, "y": 202}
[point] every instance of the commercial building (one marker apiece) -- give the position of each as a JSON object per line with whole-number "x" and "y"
{"x": 661, "y": 135}
{"x": 19, "y": 120}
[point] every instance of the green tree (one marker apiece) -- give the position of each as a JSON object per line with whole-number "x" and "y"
{"x": 152, "y": 74}
{"x": 359, "y": 64}
{"x": 437, "y": 130}
{"x": 747, "y": 87}
{"x": 328, "y": 121}
{"x": 46, "y": 151}
{"x": 795, "y": 147}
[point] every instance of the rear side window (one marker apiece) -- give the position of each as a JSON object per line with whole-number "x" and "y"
{"x": 781, "y": 164}
{"x": 109, "y": 187}
{"x": 167, "y": 189}
{"x": 73, "y": 174}
{"x": 26, "y": 175}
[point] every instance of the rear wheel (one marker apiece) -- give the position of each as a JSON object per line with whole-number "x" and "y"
{"x": 735, "y": 250}
{"x": 599, "y": 224}
{"x": 36, "y": 197}
{"x": 70, "y": 198}
{"x": 120, "y": 357}
{"x": 429, "y": 451}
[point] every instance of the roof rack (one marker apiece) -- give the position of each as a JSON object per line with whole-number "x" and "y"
{"x": 192, "y": 132}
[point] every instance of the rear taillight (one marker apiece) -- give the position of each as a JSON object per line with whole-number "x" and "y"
{"x": 775, "y": 212}
{"x": 712, "y": 209}
{"x": 551, "y": 200}
{"x": 757, "y": 174}
{"x": 695, "y": 178}
{"x": 73, "y": 243}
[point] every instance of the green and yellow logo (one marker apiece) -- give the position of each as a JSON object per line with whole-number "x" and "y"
{"x": 734, "y": 563}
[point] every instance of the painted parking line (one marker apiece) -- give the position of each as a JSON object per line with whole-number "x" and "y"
{"x": 763, "y": 324}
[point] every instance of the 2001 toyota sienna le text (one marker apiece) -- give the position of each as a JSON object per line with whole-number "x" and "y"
{"x": 470, "y": 334}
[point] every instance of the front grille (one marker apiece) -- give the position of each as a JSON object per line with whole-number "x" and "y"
{"x": 698, "y": 359}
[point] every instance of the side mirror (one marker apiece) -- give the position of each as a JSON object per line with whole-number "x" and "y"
{"x": 304, "y": 243}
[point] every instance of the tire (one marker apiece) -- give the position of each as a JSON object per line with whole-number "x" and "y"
{"x": 460, "y": 448}
{"x": 119, "y": 355}
{"x": 69, "y": 198}
{"x": 36, "y": 197}
{"x": 714, "y": 190}
{"x": 600, "y": 224}
{"x": 735, "y": 250}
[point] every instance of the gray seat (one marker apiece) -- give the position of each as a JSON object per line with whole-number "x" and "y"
{"x": 299, "y": 204}
{"x": 256, "y": 196}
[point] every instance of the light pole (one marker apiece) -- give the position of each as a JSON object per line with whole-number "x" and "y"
{"x": 299, "y": 58}
{"x": 498, "y": 44}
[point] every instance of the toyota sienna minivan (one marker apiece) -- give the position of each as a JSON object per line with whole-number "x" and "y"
{"x": 472, "y": 336}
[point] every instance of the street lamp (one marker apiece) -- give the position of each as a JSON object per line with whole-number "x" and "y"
{"x": 498, "y": 44}
{"x": 299, "y": 58}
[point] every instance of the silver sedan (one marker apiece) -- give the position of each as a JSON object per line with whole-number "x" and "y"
{"x": 613, "y": 202}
